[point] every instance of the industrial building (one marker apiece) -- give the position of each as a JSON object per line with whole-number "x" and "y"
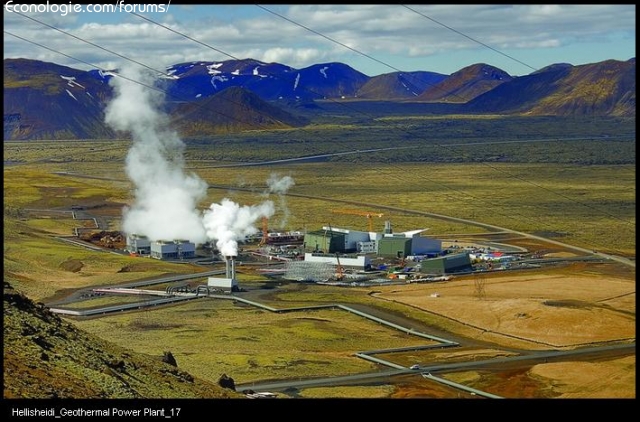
{"x": 401, "y": 245}
{"x": 359, "y": 262}
{"x": 138, "y": 244}
{"x": 446, "y": 264}
{"x": 387, "y": 244}
{"x": 332, "y": 240}
{"x": 229, "y": 283}
{"x": 172, "y": 249}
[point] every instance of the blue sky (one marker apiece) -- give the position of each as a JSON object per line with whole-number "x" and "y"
{"x": 373, "y": 39}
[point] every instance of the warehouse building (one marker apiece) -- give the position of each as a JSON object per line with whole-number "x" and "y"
{"x": 401, "y": 245}
{"x": 446, "y": 264}
{"x": 138, "y": 244}
{"x": 172, "y": 249}
{"x": 331, "y": 240}
{"x": 355, "y": 262}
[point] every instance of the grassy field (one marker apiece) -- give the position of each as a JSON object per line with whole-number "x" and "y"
{"x": 586, "y": 205}
{"x": 212, "y": 337}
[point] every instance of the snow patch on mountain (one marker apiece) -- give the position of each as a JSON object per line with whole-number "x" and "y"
{"x": 212, "y": 69}
{"x": 256, "y": 73}
{"x": 218, "y": 78}
{"x": 295, "y": 84}
{"x": 71, "y": 81}
{"x": 105, "y": 74}
{"x": 71, "y": 95}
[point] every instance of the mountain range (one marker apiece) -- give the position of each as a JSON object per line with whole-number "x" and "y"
{"x": 45, "y": 100}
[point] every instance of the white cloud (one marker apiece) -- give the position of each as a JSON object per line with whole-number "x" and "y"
{"x": 296, "y": 58}
{"x": 392, "y": 33}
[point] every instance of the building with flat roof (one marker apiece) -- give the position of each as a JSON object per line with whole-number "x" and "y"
{"x": 138, "y": 244}
{"x": 446, "y": 264}
{"x": 401, "y": 245}
{"x": 172, "y": 249}
{"x": 332, "y": 240}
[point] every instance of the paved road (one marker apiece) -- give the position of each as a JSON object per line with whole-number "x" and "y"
{"x": 77, "y": 295}
{"x": 385, "y": 375}
{"x": 622, "y": 260}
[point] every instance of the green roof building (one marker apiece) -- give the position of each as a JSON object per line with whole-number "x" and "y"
{"x": 446, "y": 264}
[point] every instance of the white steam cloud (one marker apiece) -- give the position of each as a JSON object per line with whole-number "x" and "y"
{"x": 280, "y": 186}
{"x": 227, "y": 223}
{"x": 165, "y": 197}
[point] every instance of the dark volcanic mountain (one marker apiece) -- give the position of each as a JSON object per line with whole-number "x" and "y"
{"x": 465, "y": 84}
{"x": 269, "y": 81}
{"x": 399, "y": 85}
{"x": 232, "y": 110}
{"x": 48, "y": 101}
{"x": 604, "y": 88}
{"x": 47, "y": 357}
{"x": 329, "y": 80}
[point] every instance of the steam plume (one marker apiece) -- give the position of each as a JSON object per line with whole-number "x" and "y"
{"x": 229, "y": 223}
{"x": 165, "y": 197}
{"x": 280, "y": 186}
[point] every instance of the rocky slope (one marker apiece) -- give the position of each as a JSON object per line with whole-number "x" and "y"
{"x": 48, "y": 357}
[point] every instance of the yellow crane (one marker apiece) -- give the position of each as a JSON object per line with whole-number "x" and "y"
{"x": 368, "y": 214}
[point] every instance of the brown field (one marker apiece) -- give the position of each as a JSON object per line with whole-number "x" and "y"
{"x": 574, "y": 305}
{"x": 550, "y": 310}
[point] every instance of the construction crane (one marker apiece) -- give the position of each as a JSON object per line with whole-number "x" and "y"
{"x": 367, "y": 214}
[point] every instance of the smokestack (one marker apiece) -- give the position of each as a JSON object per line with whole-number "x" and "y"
{"x": 230, "y": 267}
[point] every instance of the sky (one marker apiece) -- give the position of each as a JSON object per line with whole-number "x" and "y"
{"x": 372, "y": 39}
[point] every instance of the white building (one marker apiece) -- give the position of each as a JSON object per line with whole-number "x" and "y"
{"x": 360, "y": 262}
{"x": 172, "y": 249}
{"x": 226, "y": 284}
{"x": 138, "y": 244}
{"x": 351, "y": 237}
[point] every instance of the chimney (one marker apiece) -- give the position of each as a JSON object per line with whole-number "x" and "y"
{"x": 230, "y": 267}
{"x": 387, "y": 227}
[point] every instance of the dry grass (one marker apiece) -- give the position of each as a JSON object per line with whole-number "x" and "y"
{"x": 550, "y": 310}
{"x": 590, "y": 206}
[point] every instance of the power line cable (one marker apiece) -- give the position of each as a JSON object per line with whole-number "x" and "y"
{"x": 130, "y": 60}
{"x": 160, "y": 72}
{"x": 436, "y": 86}
{"x": 218, "y": 50}
{"x": 368, "y": 56}
{"x": 468, "y": 37}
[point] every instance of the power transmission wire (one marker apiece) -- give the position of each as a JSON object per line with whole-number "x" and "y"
{"x": 162, "y": 72}
{"x": 359, "y": 52}
{"x": 373, "y": 58}
{"x": 468, "y": 37}
{"x": 230, "y": 56}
